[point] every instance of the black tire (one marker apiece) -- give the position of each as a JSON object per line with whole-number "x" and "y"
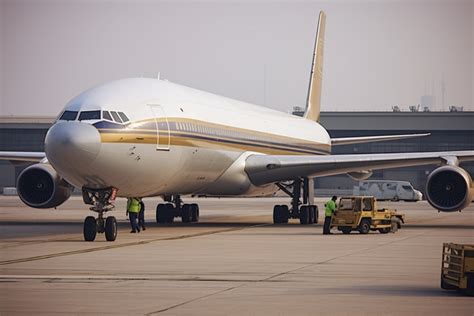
{"x": 315, "y": 210}
{"x": 310, "y": 215}
{"x": 395, "y": 224}
{"x": 194, "y": 213}
{"x": 160, "y": 213}
{"x": 186, "y": 213}
{"x": 364, "y": 226}
{"x": 395, "y": 198}
{"x": 90, "y": 228}
{"x": 285, "y": 214}
{"x": 277, "y": 214}
{"x": 304, "y": 215}
{"x": 346, "y": 230}
{"x": 169, "y": 213}
{"x": 385, "y": 230}
{"x": 110, "y": 228}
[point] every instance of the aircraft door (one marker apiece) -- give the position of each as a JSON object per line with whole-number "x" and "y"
{"x": 162, "y": 127}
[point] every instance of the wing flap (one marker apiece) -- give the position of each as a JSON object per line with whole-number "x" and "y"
{"x": 263, "y": 169}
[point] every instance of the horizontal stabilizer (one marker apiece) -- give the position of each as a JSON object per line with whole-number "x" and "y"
{"x": 371, "y": 139}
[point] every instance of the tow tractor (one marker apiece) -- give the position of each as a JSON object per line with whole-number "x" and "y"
{"x": 457, "y": 268}
{"x": 360, "y": 213}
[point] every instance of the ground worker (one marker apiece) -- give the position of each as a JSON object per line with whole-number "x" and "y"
{"x": 141, "y": 216}
{"x": 133, "y": 208}
{"x": 330, "y": 208}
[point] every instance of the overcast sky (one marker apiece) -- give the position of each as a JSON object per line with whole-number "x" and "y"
{"x": 377, "y": 54}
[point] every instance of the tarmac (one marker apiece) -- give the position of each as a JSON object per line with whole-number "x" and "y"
{"x": 233, "y": 262}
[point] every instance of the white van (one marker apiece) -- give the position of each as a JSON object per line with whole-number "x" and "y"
{"x": 388, "y": 190}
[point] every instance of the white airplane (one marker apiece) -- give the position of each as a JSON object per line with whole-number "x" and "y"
{"x": 147, "y": 137}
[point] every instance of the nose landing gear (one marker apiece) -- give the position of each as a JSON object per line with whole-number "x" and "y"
{"x": 100, "y": 199}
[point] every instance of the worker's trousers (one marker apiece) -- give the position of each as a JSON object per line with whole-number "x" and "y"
{"x": 133, "y": 221}
{"x": 141, "y": 218}
{"x": 327, "y": 224}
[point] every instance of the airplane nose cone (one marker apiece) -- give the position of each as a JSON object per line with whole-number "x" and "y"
{"x": 69, "y": 145}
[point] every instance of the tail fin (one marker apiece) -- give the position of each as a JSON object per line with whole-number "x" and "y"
{"x": 313, "y": 102}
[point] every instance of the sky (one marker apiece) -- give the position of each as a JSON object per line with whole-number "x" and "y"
{"x": 377, "y": 53}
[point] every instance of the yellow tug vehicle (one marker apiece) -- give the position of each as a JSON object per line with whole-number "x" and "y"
{"x": 360, "y": 213}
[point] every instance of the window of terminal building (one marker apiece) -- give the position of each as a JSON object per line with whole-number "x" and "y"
{"x": 89, "y": 115}
{"x": 68, "y": 116}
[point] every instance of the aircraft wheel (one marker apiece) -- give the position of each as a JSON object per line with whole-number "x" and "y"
{"x": 110, "y": 228}
{"x": 194, "y": 213}
{"x": 169, "y": 213}
{"x": 160, "y": 213}
{"x": 310, "y": 215}
{"x": 280, "y": 214}
{"x": 304, "y": 215}
{"x": 315, "y": 210}
{"x": 90, "y": 228}
{"x": 186, "y": 213}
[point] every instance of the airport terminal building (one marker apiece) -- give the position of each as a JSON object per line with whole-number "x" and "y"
{"x": 449, "y": 131}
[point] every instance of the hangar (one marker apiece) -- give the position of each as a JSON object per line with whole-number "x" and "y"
{"x": 449, "y": 131}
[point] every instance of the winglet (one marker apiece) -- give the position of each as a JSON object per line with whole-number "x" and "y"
{"x": 313, "y": 101}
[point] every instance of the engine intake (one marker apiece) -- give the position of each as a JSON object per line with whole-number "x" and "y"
{"x": 40, "y": 186}
{"x": 449, "y": 189}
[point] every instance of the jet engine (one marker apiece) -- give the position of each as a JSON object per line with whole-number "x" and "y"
{"x": 449, "y": 189}
{"x": 40, "y": 186}
{"x": 360, "y": 175}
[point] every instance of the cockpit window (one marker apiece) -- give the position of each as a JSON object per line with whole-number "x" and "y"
{"x": 89, "y": 115}
{"x": 116, "y": 117}
{"x": 123, "y": 117}
{"x": 68, "y": 116}
{"x": 106, "y": 115}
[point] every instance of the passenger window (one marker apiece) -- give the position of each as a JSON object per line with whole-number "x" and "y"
{"x": 116, "y": 117}
{"x": 407, "y": 187}
{"x": 123, "y": 117}
{"x": 89, "y": 115}
{"x": 68, "y": 116}
{"x": 106, "y": 116}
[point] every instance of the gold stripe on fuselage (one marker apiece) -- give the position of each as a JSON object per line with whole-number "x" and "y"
{"x": 193, "y": 133}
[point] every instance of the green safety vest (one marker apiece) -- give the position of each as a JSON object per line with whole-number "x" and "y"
{"x": 133, "y": 205}
{"x": 330, "y": 208}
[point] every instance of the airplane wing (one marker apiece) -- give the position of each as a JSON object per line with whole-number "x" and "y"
{"x": 371, "y": 139}
{"x": 22, "y": 156}
{"x": 264, "y": 169}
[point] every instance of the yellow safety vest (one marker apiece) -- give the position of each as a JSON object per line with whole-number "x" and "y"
{"x": 133, "y": 205}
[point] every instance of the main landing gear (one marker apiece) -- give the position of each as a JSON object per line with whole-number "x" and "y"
{"x": 165, "y": 213}
{"x": 100, "y": 199}
{"x": 304, "y": 210}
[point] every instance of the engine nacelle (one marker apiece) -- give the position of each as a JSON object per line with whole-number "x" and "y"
{"x": 360, "y": 175}
{"x": 449, "y": 189}
{"x": 40, "y": 186}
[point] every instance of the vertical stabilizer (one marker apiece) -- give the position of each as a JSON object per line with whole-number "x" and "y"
{"x": 313, "y": 102}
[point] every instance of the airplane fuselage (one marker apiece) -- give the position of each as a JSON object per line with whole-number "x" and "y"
{"x": 173, "y": 140}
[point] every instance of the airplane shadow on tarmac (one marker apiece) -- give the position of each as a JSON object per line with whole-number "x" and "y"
{"x": 393, "y": 290}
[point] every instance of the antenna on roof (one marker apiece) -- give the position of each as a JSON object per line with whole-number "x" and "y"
{"x": 159, "y": 75}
